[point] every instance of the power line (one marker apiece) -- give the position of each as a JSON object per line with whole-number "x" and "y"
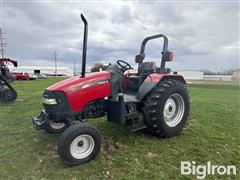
{"x": 55, "y": 58}
{"x": 74, "y": 64}
{"x": 2, "y": 44}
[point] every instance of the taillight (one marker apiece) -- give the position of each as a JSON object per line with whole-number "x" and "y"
{"x": 170, "y": 56}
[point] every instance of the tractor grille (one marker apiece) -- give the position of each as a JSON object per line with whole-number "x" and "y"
{"x": 59, "y": 111}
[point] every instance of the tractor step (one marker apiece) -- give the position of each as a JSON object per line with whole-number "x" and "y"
{"x": 127, "y": 98}
{"x": 133, "y": 115}
{"x": 136, "y": 127}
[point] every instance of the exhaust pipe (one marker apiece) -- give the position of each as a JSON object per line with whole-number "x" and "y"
{"x": 84, "y": 50}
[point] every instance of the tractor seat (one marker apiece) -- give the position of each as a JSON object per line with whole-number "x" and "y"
{"x": 144, "y": 68}
{"x": 147, "y": 68}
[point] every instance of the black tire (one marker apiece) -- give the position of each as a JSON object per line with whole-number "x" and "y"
{"x": 156, "y": 117}
{"x": 8, "y": 95}
{"x": 52, "y": 127}
{"x": 68, "y": 139}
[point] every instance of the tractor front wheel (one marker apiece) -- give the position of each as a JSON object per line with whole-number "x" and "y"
{"x": 166, "y": 109}
{"x": 79, "y": 144}
{"x": 8, "y": 95}
{"x": 53, "y": 127}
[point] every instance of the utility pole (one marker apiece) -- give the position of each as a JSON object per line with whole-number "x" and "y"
{"x": 2, "y": 44}
{"x": 74, "y": 64}
{"x": 55, "y": 58}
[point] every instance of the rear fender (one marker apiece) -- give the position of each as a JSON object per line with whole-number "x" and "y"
{"x": 152, "y": 80}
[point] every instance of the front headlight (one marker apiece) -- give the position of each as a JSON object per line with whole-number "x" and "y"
{"x": 49, "y": 101}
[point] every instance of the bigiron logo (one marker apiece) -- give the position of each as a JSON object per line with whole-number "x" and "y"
{"x": 201, "y": 171}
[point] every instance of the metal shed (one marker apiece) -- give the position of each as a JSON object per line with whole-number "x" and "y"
{"x": 48, "y": 70}
{"x": 191, "y": 74}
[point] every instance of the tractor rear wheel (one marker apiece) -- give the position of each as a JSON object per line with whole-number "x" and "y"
{"x": 166, "y": 108}
{"x": 8, "y": 95}
{"x": 53, "y": 127}
{"x": 79, "y": 144}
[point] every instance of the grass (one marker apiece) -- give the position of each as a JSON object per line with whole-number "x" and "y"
{"x": 212, "y": 134}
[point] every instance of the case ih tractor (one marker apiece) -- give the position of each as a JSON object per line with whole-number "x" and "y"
{"x": 150, "y": 98}
{"x": 7, "y": 92}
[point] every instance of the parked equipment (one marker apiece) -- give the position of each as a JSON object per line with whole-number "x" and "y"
{"x": 22, "y": 76}
{"x": 7, "y": 92}
{"x": 150, "y": 98}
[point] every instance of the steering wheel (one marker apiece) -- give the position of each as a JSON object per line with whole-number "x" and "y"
{"x": 124, "y": 65}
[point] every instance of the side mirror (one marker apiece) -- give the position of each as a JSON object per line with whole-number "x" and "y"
{"x": 168, "y": 56}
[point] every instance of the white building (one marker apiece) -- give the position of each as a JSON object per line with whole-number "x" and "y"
{"x": 236, "y": 75}
{"x": 47, "y": 70}
{"x": 191, "y": 74}
{"x": 218, "y": 77}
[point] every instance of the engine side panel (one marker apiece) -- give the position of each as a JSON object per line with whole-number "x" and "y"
{"x": 80, "y": 98}
{"x": 152, "y": 80}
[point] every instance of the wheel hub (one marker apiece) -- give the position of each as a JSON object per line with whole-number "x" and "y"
{"x": 80, "y": 144}
{"x": 169, "y": 108}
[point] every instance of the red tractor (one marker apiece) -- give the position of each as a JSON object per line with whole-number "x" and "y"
{"x": 150, "y": 98}
{"x": 7, "y": 92}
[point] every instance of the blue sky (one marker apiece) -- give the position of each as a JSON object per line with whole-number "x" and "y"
{"x": 202, "y": 34}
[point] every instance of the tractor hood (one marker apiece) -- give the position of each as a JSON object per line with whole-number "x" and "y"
{"x": 81, "y": 90}
{"x": 76, "y": 83}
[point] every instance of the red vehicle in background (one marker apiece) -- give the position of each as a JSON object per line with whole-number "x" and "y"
{"x": 21, "y": 76}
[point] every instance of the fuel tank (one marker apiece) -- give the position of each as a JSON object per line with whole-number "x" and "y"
{"x": 79, "y": 91}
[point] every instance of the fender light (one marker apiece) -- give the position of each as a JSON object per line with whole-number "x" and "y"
{"x": 170, "y": 56}
{"x": 48, "y": 101}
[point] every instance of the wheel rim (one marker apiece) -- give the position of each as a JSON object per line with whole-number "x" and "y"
{"x": 82, "y": 146}
{"x": 174, "y": 110}
{"x": 55, "y": 125}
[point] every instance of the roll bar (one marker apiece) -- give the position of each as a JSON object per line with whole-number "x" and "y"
{"x": 165, "y": 42}
{"x": 84, "y": 51}
{"x": 141, "y": 56}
